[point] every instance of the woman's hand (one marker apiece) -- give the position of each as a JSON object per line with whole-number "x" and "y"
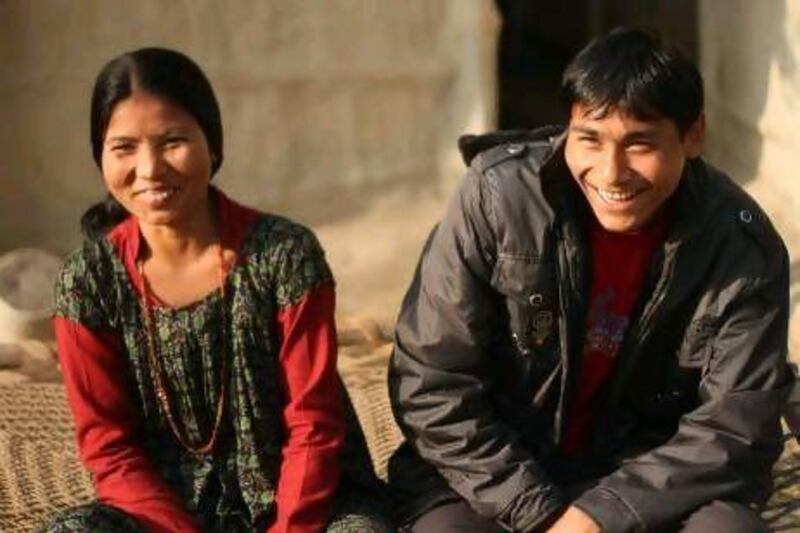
{"x": 575, "y": 521}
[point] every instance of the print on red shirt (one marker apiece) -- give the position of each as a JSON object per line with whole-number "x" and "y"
{"x": 606, "y": 327}
{"x": 620, "y": 264}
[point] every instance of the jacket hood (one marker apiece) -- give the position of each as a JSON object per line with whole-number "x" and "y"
{"x": 471, "y": 145}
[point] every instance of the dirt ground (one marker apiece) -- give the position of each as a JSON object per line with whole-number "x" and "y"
{"x": 373, "y": 257}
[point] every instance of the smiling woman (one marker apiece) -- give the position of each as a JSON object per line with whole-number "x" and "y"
{"x": 175, "y": 93}
{"x": 197, "y": 336}
{"x": 156, "y": 161}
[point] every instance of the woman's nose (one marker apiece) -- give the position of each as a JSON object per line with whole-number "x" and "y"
{"x": 149, "y": 163}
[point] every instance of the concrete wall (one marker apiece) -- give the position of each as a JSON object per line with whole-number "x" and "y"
{"x": 749, "y": 54}
{"x": 327, "y": 105}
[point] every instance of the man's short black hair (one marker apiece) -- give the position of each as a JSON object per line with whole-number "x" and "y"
{"x": 632, "y": 70}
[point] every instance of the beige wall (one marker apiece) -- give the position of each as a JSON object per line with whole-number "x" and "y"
{"x": 342, "y": 114}
{"x": 327, "y": 104}
{"x": 749, "y": 55}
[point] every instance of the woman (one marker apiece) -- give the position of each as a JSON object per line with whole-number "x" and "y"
{"x": 196, "y": 336}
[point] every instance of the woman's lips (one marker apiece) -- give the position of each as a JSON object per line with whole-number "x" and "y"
{"x": 156, "y": 197}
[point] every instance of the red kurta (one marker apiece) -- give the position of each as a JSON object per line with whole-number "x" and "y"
{"x": 108, "y": 423}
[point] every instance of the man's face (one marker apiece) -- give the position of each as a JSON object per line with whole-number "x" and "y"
{"x": 626, "y": 167}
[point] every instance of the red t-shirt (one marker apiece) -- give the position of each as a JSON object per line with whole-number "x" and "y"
{"x": 620, "y": 263}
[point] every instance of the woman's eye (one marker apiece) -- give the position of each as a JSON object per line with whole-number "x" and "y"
{"x": 173, "y": 142}
{"x": 122, "y": 148}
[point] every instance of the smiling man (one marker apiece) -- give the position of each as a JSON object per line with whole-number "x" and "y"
{"x": 595, "y": 338}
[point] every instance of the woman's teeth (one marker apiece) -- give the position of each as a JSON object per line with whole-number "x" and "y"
{"x": 160, "y": 194}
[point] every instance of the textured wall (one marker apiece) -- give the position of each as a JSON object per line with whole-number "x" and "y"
{"x": 749, "y": 55}
{"x": 328, "y": 105}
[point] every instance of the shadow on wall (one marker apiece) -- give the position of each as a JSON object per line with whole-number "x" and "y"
{"x": 794, "y": 288}
{"x": 748, "y": 47}
{"x": 740, "y": 79}
{"x": 539, "y": 38}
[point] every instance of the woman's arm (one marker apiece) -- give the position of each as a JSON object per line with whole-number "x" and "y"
{"x": 106, "y": 424}
{"x": 313, "y": 414}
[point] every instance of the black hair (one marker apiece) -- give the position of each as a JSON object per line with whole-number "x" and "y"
{"x": 164, "y": 73}
{"x": 634, "y": 71}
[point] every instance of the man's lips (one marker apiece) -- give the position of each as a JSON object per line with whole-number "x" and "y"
{"x": 617, "y": 196}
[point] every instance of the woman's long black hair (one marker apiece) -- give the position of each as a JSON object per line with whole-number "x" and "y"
{"x": 161, "y": 72}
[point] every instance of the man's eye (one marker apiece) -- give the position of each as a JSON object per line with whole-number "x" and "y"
{"x": 588, "y": 140}
{"x": 640, "y": 146}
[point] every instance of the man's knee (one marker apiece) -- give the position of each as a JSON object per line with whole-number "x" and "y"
{"x": 453, "y": 517}
{"x": 724, "y": 516}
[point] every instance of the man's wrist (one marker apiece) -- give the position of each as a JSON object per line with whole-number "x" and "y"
{"x": 548, "y": 522}
{"x": 574, "y": 520}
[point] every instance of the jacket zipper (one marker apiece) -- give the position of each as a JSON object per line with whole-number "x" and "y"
{"x": 571, "y": 311}
{"x": 641, "y": 329}
{"x": 563, "y": 345}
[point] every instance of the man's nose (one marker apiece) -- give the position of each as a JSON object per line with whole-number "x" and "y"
{"x": 614, "y": 167}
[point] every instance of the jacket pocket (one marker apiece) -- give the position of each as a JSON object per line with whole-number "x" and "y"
{"x": 531, "y": 303}
{"x": 531, "y": 300}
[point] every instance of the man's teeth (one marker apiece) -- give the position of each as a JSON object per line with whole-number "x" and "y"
{"x": 615, "y": 196}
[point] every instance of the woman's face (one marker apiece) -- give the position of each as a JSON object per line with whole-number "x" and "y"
{"x": 156, "y": 161}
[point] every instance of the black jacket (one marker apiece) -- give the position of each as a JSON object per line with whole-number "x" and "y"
{"x": 490, "y": 334}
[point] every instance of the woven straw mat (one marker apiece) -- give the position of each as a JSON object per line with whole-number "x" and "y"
{"x": 40, "y": 472}
{"x": 39, "y": 468}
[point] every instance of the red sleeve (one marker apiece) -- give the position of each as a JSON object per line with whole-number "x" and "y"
{"x": 106, "y": 424}
{"x": 313, "y": 415}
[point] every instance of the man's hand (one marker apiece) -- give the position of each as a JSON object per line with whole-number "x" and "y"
{"x": 574, "y": 521}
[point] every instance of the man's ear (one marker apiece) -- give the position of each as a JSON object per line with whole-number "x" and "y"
{"x": 694, "y": 138}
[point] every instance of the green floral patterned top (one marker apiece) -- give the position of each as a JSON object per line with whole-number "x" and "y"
{"x": 280, "y": 265}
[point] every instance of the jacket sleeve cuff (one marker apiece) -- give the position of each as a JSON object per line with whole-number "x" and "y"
{"x": 611, "y": 512}
{"x": 517, "y": 516}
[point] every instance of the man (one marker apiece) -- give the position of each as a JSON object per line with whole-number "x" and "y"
{"x": 595, "y": 338}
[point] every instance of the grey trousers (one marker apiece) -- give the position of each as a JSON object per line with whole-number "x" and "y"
{"x": 352, "y": 517}
{"x": 717, "y": 516}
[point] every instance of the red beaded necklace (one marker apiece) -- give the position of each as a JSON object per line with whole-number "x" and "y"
{"x": 158, "y": 373}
